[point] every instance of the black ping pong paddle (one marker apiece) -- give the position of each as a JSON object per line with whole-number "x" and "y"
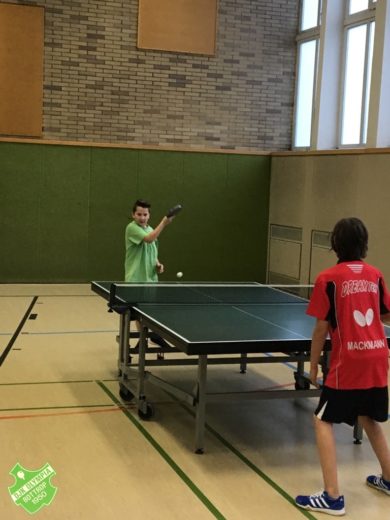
{"x": 174, "y": 211}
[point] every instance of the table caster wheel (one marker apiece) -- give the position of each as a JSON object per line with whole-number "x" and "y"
{"x": 125, "y": 394}
{"x": 148, "y": 414}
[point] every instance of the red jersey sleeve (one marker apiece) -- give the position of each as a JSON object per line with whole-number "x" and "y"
{"x": 319, "y": 302}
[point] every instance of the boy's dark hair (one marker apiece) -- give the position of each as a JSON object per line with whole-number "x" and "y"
{"x": 141, "y": 203}
{"x": 349, "y": 239}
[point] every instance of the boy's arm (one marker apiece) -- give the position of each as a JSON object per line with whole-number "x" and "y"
{"x": 386, "y": 318}
{"x": 153, "y": 235}
{"x": 318, "y": 339}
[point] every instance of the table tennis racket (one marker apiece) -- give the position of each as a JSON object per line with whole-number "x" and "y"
{"x": 174, "y": 211}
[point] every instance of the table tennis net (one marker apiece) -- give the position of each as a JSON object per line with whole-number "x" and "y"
{"x": 162, "y": 293}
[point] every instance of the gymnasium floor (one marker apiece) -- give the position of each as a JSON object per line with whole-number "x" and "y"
{"x": 59, "y": 405}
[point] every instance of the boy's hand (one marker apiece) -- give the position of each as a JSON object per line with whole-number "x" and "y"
{"x": 314, "y": 375}
{"x": 160, "y": 268}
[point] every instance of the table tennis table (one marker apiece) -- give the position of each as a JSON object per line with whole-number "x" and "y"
{"x": 207, "y": 321}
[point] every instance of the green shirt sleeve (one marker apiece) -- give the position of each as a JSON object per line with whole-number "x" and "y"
{"x": 135, "y": 233}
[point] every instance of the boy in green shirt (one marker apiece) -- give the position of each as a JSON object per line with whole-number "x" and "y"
{"x": 141, "y": 262}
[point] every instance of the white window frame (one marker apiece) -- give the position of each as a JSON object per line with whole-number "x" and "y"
{"x": 365, "y": 17}
{"x": 312, "y": 34}
{"x": 328, "y": 98}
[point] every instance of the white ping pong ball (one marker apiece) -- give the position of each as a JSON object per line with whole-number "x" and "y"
{"x": 179, "y": 274}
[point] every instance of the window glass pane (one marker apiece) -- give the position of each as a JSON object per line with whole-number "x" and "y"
{"x": 305, "y": 90}
{"x": 353, "y": 85}
{"x": 309, "y": 14}
{"x": 368, "y": 79}
{"x": 357, "y": 5}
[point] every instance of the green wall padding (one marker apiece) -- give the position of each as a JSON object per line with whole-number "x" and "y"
{"x": 64, "y": 219}
{"x": 64, "y": 210}
{"x": 21, "y": 185}
{"x": 114, "y": 177}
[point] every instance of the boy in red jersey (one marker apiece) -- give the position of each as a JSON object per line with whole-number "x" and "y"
{"x": 349, "y": 300}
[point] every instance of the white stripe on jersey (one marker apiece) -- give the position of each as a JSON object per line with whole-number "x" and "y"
{"x": 356, "y": 268}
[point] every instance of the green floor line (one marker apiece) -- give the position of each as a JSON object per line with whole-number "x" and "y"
{"x": 249, "y": 463}
{"x": 56, "y": 407}
{"x": 259, "y": 472}
{"x": 185, "y": 478}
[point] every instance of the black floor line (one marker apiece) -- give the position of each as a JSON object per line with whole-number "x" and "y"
{"x": 17, "y": 331}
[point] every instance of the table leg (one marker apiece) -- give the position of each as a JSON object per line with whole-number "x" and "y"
{"x": 357, "y": 433}
{"x": 301, "y": 381}
{"x": 243, "y": 363}
{"x": 201, "y": 404}
{"x": 141, "y": 368}
{"x": 124, "y": 327}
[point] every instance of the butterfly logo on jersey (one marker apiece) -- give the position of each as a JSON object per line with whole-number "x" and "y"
{"x": 364, "y": 319}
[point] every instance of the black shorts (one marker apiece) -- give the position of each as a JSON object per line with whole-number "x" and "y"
{"x": 344, "y": 406}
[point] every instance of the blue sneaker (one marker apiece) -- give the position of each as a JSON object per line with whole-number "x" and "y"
{"x": 322, "y": 503}
{"x": 379, "y": 483}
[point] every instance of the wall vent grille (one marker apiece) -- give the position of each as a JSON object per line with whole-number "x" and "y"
{"x": 292, "y": 234}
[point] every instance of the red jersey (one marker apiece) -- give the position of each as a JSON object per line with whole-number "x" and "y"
{"x": 351, "y": 296}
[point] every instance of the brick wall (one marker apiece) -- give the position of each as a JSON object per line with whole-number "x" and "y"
{"x": 99, "y": 87}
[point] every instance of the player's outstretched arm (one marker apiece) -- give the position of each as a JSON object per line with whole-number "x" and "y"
{"x": 153, "y": 235}
{"x": 171, "y": 214}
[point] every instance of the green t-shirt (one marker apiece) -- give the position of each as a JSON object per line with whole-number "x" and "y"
{"x": 141, "y": 256}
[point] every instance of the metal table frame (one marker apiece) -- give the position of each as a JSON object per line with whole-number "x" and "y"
{"x": 132, "y": 378}
{"x": 131, "y": 388}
